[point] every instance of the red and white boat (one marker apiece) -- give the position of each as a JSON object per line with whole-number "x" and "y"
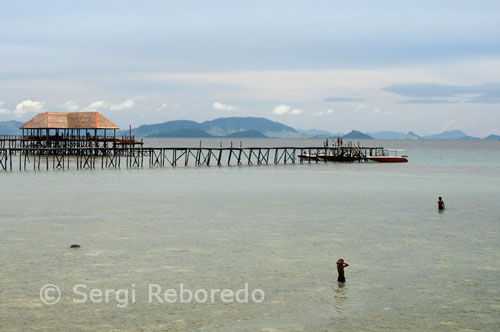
{"x": 389, "y": 156}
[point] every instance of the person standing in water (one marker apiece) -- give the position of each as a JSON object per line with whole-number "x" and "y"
{"x": 340, "y": 269}
{"x": 441, "y": 205}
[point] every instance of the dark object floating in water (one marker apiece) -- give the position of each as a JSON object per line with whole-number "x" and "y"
{"x": 75, "y": 246}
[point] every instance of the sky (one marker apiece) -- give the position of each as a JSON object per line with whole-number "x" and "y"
{"x": 424, "y": 66}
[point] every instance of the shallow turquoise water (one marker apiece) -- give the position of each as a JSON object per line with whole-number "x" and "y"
{"x": 277, "y": 228}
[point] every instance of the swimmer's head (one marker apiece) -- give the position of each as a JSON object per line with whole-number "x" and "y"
{"x": 340, "y": 261}
{"x": 440, "y": 197}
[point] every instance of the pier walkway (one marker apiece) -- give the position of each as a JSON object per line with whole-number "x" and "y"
{"x": 22, "y": 159}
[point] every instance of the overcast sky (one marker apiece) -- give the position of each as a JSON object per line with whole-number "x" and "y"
{"x": 332, "y": 65}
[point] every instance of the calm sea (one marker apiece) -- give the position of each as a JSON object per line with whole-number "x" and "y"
{"x": 277, "y": 228}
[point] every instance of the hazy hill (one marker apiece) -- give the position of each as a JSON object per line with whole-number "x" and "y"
{"x": 10, "y": 127}
{"x": 493, "y": 138}
{"x": 154, "y": 130}
{"x": 410, "y": 136}
{"x": 227, "y": 126}
{"x": 386, "y": 135}
{"x": 315, "y": 132}
{"x": 324, "y": 136}
{"x": 252, "y": 127}
{"x": 453, "y": 134}
{"x": 183, "y": 133}
{"x": 216, "y": 128}
{"x": 247, "y": 134}
{"x": 357, "y": 135}
{"x": 469, "y": 138}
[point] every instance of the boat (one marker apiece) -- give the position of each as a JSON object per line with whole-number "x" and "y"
{"x": 338, "y": 158}
{"x": 305, "y": 156}
{"x": 389, "y": 156}
{"x": 327, "y": 157}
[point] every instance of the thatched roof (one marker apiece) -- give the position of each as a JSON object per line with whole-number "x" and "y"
{"x": 69, "y": 120}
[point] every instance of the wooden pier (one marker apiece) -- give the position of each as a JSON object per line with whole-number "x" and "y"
{"x": 87, "y": 140}
{"x": 28, "y": 158}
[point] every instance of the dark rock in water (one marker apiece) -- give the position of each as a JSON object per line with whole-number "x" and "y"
{"x": 75, "y": 246}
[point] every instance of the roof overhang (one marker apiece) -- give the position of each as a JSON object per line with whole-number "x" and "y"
{"x": 69, "y": 120}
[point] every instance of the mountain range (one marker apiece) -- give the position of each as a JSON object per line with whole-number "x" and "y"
{"x": 235, "y": 127}
{"x": 252, "y": 127}
{"x": 10, "y": 127}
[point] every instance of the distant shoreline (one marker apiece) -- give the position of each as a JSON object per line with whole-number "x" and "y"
{"x": 253, "y": 128}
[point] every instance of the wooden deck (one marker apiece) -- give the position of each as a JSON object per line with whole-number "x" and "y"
{"x": 140, "y": 157}
{"x": 16, "y": 142}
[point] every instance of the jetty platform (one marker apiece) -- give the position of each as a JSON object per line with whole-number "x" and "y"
{"x": 88, "y": 140}
{"x": 138, "y": 156}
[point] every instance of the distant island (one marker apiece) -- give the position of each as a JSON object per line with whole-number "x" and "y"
{"x": 253, "y": 127}
{"x": 493, "y": 138}
{"x": 232, "y": 127}
{"x": 10, "y": 127}
{"x": 356, "y": 135}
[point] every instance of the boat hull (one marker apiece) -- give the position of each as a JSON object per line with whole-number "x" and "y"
{"x": 307, "y": 157}
{"x": 340, "y": 158}
{"x": 387, "y": 159}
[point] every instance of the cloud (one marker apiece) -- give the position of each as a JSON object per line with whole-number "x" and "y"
{"x": 430, "y": 93}
{"x": 321, "y": 113}
{"x": 125, "y": 105}
{"x": 343, "y": 99}
{"x": 70, "y": 105}
{"x": 3, "y": 110}
{"x": 286, "y": 109}
{"x": 222, "y": 107}
{"x": 379, "y": 111}
{"x": 449, "y": 125}
{"x": 427, "y": 101}
{"x": 94, "y": 106}
{"x": 162, "y": 107}
{"x": 28, "y": 106}
{"x": 423, "y": 90}
{"x": 281, "y": 109}
{"x": 486, "y": 98}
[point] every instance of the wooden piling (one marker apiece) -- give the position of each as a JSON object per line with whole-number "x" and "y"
{"x": 87, "y": 157}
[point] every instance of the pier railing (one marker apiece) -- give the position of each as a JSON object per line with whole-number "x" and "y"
{"x": 68, "y": 141}
{"x": 139, "y": 157}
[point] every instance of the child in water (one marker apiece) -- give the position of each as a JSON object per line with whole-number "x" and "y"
{"x": 441, "y": 205}
{"x": 340, "y": 269}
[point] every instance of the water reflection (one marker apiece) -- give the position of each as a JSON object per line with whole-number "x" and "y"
{"x": 340, "y": 297}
